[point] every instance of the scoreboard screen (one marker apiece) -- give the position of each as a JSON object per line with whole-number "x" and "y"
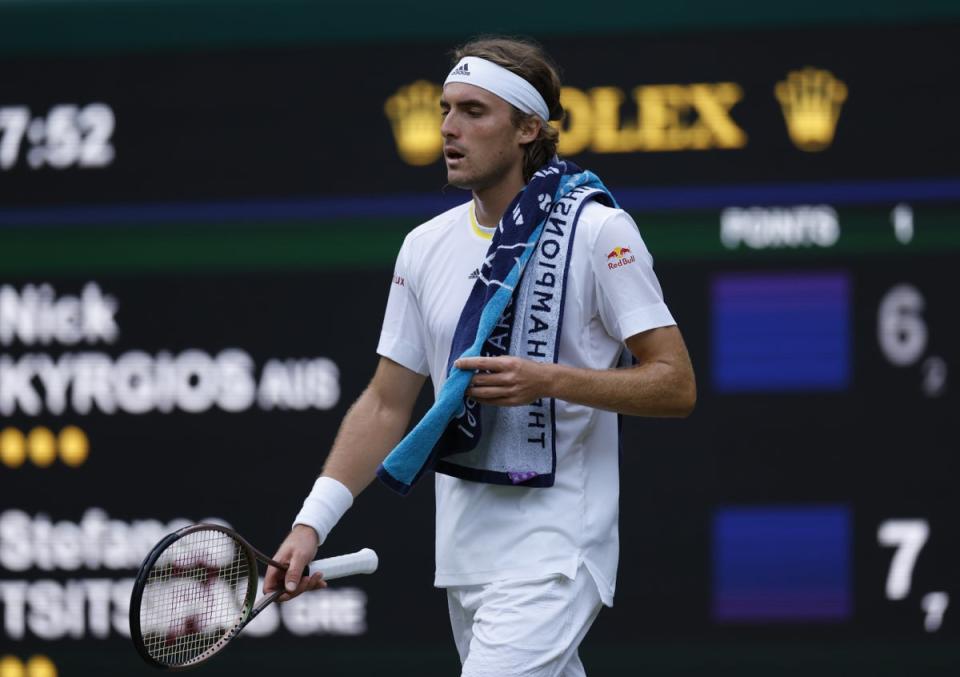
{"x": 196, "y": 252}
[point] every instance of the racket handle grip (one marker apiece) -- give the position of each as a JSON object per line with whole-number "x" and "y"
{"x": 361, "y": 562}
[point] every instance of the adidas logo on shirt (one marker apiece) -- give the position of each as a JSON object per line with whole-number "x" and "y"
{"x": 463, "y": 69}
{"x": 474, "y": 275}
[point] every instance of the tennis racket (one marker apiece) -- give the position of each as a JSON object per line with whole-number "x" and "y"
{"x": 197, "y": 589}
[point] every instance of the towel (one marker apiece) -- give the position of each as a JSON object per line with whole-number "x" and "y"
{"x": 523, "y": 275}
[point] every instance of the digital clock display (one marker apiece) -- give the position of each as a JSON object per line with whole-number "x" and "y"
{"x": 67, "y": 136}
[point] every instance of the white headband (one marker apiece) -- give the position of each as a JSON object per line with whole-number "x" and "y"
{"x": 498, "y": 80}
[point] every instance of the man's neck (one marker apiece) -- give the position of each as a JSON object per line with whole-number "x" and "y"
{"x": 490, "y": 203}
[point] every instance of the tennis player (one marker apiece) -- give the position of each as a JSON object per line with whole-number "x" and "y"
{"x": 527, "y": 563}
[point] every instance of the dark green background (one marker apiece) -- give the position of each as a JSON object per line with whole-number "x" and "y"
{"x": 111, "y": 25}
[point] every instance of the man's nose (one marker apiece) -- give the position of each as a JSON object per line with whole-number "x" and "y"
{"x": 448, "y": 127}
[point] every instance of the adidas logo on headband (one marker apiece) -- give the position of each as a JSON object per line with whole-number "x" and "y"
{"x": 462, "y": 69}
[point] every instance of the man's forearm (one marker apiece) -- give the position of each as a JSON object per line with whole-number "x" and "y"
{"x": 662, "y": 384}
{"x": 650, "y": 389}
{"x": 372, "y": 426}
{"x": 368, "y": 432}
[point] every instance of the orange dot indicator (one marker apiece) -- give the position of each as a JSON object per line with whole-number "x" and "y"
{"x": 74, "y": 446}
{"x": 13, "y": 449}
{"x": 41, "y": 666}
{"x": 41, "y": 447}
{"x": 10, "y": 666}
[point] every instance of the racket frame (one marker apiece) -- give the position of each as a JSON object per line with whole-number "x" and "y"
{"x": 251, "y": 607}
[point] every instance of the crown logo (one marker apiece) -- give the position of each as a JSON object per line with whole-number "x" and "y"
{"x": 414, "y": 113}
{"x": 811, "y": 100}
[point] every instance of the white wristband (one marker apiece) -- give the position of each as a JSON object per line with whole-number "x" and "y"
{"x": 328, "y": 501}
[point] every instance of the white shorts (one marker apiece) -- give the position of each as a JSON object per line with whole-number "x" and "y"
{"x": 523, "y": 628}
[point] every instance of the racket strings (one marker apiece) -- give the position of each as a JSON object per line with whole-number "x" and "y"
{"x": 195, "y": 593}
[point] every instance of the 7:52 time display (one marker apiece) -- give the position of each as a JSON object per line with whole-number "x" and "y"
{"x": 67, "y": 136}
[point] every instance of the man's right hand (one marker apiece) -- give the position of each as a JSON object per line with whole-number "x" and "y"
{"x": 296, "y": 551}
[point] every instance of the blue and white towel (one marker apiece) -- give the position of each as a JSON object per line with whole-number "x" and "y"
{"x": 524, "y": 273}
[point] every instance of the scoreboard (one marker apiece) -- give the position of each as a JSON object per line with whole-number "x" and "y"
{"x": 197, "y": 248}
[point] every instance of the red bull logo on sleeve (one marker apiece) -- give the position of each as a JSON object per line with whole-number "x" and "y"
{"x": 619, "y": 257}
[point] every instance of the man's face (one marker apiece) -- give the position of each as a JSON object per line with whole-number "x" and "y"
{"x": 481, "y": 145}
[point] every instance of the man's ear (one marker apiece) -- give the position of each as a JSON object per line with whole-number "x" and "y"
{"x": 529, "y": 129}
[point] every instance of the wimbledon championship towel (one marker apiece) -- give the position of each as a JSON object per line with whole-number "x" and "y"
{"x": 523, "y": 275}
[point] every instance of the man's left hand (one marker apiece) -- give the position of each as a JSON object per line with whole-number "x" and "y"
{"x": 505, "y": 381}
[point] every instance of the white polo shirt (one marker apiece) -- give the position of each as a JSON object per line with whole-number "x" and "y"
{"x": 488, "y": 532}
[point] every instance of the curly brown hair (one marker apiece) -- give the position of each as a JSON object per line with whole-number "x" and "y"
{"x": 527, "y": 59}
